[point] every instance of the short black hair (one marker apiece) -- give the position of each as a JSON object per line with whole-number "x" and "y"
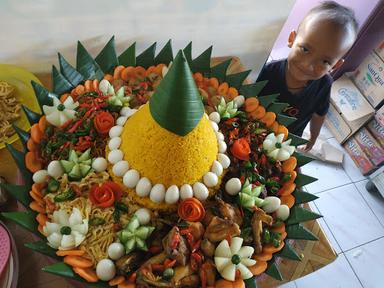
{"x": 339, "y": 15}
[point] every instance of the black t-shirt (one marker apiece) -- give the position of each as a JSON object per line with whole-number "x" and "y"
{"x": 314, "y": 98}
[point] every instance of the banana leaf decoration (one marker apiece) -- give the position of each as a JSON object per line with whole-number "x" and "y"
{"x": 67, "y": 77}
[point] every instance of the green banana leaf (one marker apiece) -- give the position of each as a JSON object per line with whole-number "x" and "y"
{"x": 252, "y": 90}
{"x": 303, "y": 197}
{"x": 32, "y": 116}
{"x": 107, "y": 58}
{"x": 64, "y": 270}
{"x": 250, "y": 283}
{"x": 299, "y": 214}
{"x": 237, "y": 79}
{"x": 302, "y": 159}
{"x": 288, "y": 252}
{"x": 44, "y": 97}
{"x": 302, "y": 180}
{"x": 219, "y": 71}
{"x": 165, "y": 56}
{"x": 43, "y": 248}
{"x": 277, "y": 107}
{"x": 203, "y": 62}
{"x": 18, "y": 157}
{"x": 60, "y": 84}
{"x": 296, "y": 140}
{"x": 297, "y": 231}
{"x": 273, "y": 270}
{"x": 85, "y": 64}
{"x": 24, "y": 219}
{"x": 18, "y": 192}
{"x": 285, "y": 120}
{"x": 188, "y": 53}
{"x": 23, "y": 136}
{"x": 147, "y": 57}
{"x": 128, "y": 57}
{"x": 69, "y": 72}
{"x": 267, "y": 100}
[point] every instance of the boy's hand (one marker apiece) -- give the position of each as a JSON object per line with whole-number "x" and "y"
{"x": 309, "y": 145}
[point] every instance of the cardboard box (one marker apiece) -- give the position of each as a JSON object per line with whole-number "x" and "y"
{"x": 370, "y": 146}
{"x": 377, "y": 130}
{"x": 380, "y": 116}
{"x": 358, "y": 156}
{"x": 380, "y": 51}
{"x": 337, "y": 125}
{"x": 369, "y": 78}
{"x": 349, "y": 110}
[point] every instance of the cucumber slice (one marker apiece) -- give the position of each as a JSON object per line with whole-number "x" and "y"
{"x": 87, "y": 162}
{"x": 85, "y": 156}
{"x": 84, "y": 169}
{"x": 140, "y": 243}
{"x": 75, "y": 172}
{"x": 130, "y": 245}
{"x": 133, "y": 224}
{"x": 73, "y": 156}
{"x": 144, "y": 232}
{"x": 125, "y": 235}
{"x": 67, "y": 165}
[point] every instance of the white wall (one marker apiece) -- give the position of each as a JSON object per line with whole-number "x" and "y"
{"x": 33, "y": 31}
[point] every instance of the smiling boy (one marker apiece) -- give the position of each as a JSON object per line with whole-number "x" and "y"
{"x": 326, "y": 33}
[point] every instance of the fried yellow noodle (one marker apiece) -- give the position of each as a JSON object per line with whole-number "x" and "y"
{"x": 9, "y": 110}
{"x": 99, "y": 237}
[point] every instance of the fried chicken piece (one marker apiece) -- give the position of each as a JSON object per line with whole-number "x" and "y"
{"x": 259, "y": 217}
{"x": 220, "y": 229}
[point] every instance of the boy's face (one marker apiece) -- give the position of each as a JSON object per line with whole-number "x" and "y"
{"x": 316, "y": 48}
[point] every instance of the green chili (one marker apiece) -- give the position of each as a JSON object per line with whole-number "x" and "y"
{"x": 65, "y": 196}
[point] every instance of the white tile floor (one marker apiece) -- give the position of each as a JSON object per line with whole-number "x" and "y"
{"x": 353, "y": 221}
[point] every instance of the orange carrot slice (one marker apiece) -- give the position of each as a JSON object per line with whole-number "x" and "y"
{"x": 37, "y": 189}
{"x": 117, "y": 72}
{"x": 223, "y": 89}
{"x": 214, "y": 82}
{"x": 150, "y": 70}
{"x": 78, "y": 261}
{"x": 128, "y": 73}
{"x": 95, "y": 85}
{"x": 80, "y": 89}
{"x": 159, "y": 69}
{"x": 43, "y": 123}
{"x": 288, "y": 200}
{"x": 258, "y": 113}
{"x": 31, "y": 145}
{"x": 35, "y": 206}
{"x": 289, "y": 164}
{"x": 116, "y": 281}
{"x": 232, "y": 93}
{"x": 268, "y": 119}
{"x": 108, "y": 77}
{"x": 262, "y": 256}
{"x": 283, "y": 130}
{"x": 32, "y": 163}
{"x": 287, "y": 189}
{"x": 274, "y": 127}
{"x": 42, "y": 219}
{"x": 64, "y": 97}
{"x": 36, "y": 133}
{"x": 251, "y": 104}
{"x": 88, "y": 86}
{"x": 269, "y": 248}
{"x": 198, "y": 77}
{"x": 140, "y": 72}
{"x": 63, "y": 253}
{"x": 258, "y": 268}
{"x": 37, "y": 198}
{"x": 86, "y": 273}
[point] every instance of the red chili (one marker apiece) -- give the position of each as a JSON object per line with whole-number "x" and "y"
{"x": 132, "y": 278}
{"x": 203, "y": 278}
{"x": 196, "y": 260}
{"x": 168, "y": 263}
{"x": 157, "y": 267}
{"x": 196, "y": 246}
